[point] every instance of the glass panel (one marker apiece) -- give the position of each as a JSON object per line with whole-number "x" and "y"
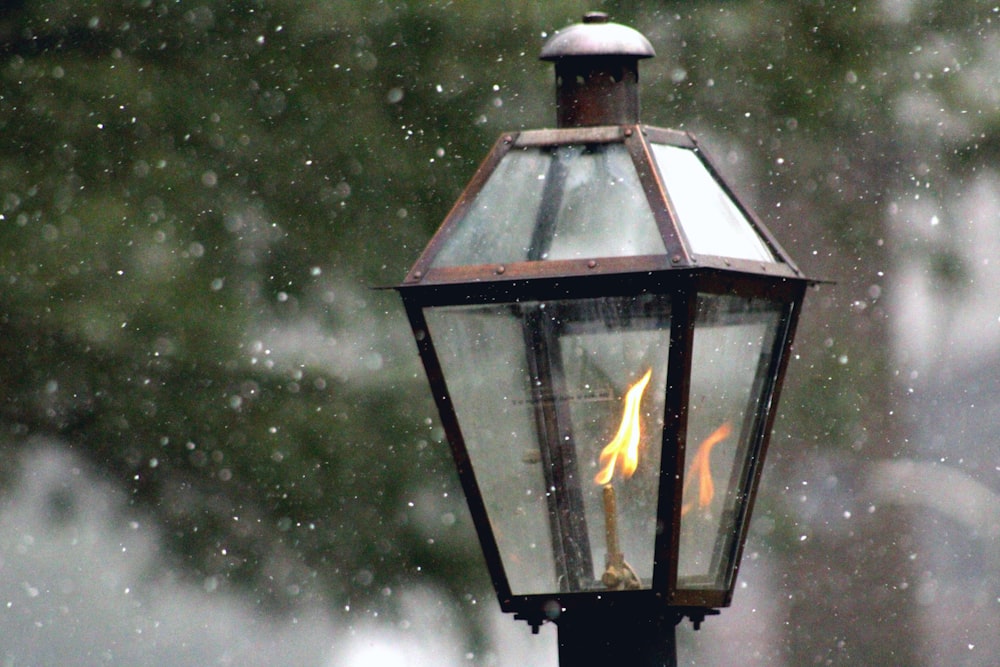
{"x": 734, "y": 340}
{"x": 564, "y": 202}
{"x": 540, "y": 389}
{"x": 499, "y": 224}
{"x": 711, "y": 221}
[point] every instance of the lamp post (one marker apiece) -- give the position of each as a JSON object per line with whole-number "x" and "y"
{"x": 605, "y": 328}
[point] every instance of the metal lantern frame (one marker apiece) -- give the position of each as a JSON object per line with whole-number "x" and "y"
{"x": 598, "y": 110}
{"x": 679, "y": 274}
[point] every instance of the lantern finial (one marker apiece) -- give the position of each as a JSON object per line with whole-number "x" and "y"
{"x": 597, "y": 72}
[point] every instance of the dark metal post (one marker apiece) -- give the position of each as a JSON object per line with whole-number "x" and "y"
{"x": 616, "y": 638}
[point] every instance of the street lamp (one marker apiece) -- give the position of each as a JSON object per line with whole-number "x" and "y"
{"x": 605, "y": 328}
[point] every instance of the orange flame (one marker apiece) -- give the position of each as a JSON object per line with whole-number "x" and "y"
{"x": 701, "y": 465}
{"x": 625, "y": 444}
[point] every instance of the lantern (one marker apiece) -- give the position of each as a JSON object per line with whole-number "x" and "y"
{"x": 605, "y": 328}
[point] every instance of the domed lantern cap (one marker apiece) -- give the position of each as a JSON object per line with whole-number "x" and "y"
{"x": 597, "y": 36}
{"x": 597, "y": 72}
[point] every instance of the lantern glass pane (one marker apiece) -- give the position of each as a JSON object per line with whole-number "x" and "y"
{"x": 555, "y": 202}
{"x": 731, "y": 365}
{"x": 711, "y": 221}
{"x": 540, "y": 389}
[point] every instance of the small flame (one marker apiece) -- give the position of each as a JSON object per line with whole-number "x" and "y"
{"x": 701, "y": 465}
{"x": 625, "y": 444}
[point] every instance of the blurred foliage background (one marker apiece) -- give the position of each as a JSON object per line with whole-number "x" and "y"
{"x": 196, "y": 199}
